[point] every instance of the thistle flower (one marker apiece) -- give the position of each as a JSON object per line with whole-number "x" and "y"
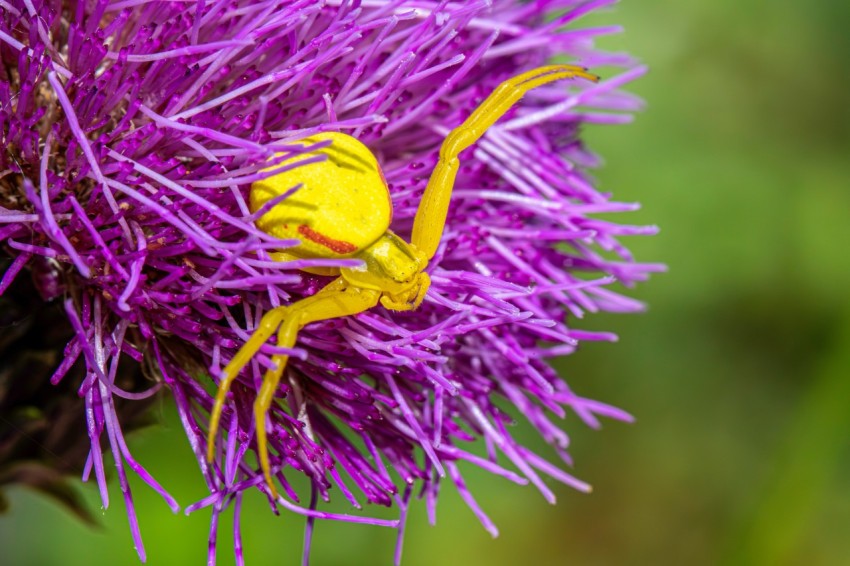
{"x": 132, "y": 131}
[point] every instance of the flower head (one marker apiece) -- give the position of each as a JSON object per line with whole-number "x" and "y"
{"x": 132, "y": 133}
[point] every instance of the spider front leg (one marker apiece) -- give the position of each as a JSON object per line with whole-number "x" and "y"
{"x": 336, "y": 300}
{"x": 431, "y": 216}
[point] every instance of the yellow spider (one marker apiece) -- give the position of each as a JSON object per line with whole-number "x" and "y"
{"x": 343, "y": 210}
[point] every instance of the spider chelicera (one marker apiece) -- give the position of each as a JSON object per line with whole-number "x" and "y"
{"x": 343, "y": 210}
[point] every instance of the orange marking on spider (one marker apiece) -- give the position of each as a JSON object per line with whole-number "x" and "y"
{"x": 337, "y": 246}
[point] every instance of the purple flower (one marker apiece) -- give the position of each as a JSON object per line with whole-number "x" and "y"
{"x": 132, "y": 133}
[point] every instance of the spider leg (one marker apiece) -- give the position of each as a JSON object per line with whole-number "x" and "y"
{"x": 269, "y": 323}
{"x": 431, "y": 215}
{"x": 336, "y": 300}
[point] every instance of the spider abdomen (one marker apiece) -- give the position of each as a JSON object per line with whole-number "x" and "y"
{"x": 342, "y": 207}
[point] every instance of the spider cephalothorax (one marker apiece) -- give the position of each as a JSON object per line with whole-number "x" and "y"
{"x": 343, "y": 210}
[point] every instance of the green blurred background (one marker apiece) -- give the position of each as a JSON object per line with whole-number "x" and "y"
{"x": 739, "y": 375}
